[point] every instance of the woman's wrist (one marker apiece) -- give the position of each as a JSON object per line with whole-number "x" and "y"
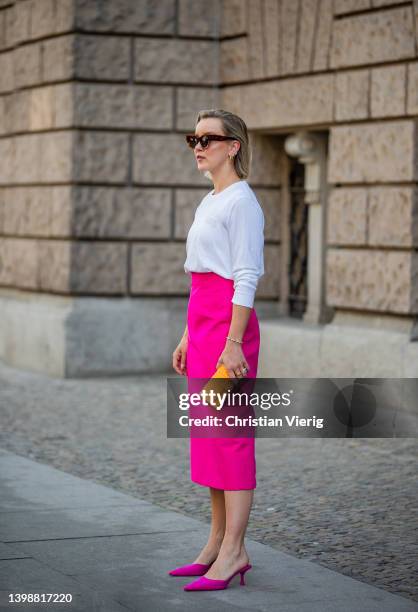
{"x": 233, "y": 340}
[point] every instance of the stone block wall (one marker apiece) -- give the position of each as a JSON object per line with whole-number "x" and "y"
{"x": 349, "y": 67}
{"x": 97, "y": 185}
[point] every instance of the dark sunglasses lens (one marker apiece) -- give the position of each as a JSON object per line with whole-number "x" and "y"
{"x": 191, "y": 141}
{"x": 205, "y": 140}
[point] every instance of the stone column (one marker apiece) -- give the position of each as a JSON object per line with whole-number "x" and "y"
{"x": 310, "y": 149}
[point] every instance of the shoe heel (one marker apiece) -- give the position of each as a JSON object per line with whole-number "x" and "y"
{"x": 242, "y": 581}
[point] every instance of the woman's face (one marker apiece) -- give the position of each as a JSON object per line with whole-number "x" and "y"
{"x": 216, "y": 153}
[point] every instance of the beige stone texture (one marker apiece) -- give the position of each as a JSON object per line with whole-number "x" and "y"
{"x": 83, "y": 267}
{"x": 2, "y": 209}
{"x": 289, "y": 21}
{"x": 58, "y": 56}
{"x": 165, "y": 159}
{"x": 158, "y": 269}
{"x": 101, "y": 156}
{"x": 34, "y": 19}
{"x": 7, "y": 81}
{"x": 194, "y": 18}
{"x": 231, "y": 98}
{"x": 348, "y": 6}
{"x": 415, "y": 17}
{"x": 29, "y": 157}
{"x": 27, "y": 65}
{"x": 175, "y": 61}
{"x": 64, "y": 16}
{"x": 144, "y": 16}
{"x": 64, "y": 105}
{"x": 269, "y": 200}
{"x": 42, "y": 17}
{"x": 256, "y": 39}
{"x": 123, "y": 106}
{"x": 375, "y": 152}
{"x": 186, "y": 202}
{"x": 393, "y": 216}
{"x": 56, "y": 153}
{"x": 234, "y": 17}
{"x": 234, "y": 65}
{"x": 378, "y": 3}
{"x": 7, "y": 155}
{"x": 288, "y": 102}
{"x": 38, "y": 108}
{"x": 16, "y": 23}
{"x": 41, "y": 108}
{"x": 19, "y": 263}
{"x": 33, "y": 158}
{"x": 347, "y": 216}
{"x": 86, "y": 56}
{"x": 60, "y": 200}
{"x": 57, "y": 200}
{"x": 16, "y": 111}
{"x": 26, "y": 214}
{"x": 267, "y": 160}
{"x": 323, "y": 35}
{"x": 2, "y": 30}
{"x": 412, "y": 94}
{"x": 272, "y": 38}
{"x": 115, "y": 212}
{"x": 3, "y": 121}
{"x": 99, "y": 267}
{"x": 413, "y": 282}
{"x": 351, "y": 95}
{"x": 307, "y": 32}
{"x": 37, "y": 211}
{"x": 372, "y": 280}
{"x": 269, "y": 284}
{"x": 388, "y": 91}
{"x": 368, "y": 38}
{"x": 190, "y": 100}
{"x": 102, "y": 57}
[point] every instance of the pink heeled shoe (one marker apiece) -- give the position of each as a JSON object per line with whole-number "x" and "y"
{"x": 208, "y": 584}
{"x": 195, "y": 569}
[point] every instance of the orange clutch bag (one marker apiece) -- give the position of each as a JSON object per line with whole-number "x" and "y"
{"x": 221, "y": 383}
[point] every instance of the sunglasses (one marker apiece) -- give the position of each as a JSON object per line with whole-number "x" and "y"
{"x": 204, "y": 140}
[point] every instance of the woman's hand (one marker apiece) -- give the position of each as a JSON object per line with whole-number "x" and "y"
{"x": 179, "y": 356}
{"x": 234, "y": 360}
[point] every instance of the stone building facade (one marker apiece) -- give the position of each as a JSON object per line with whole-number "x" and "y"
{"x": 98, "y": 188}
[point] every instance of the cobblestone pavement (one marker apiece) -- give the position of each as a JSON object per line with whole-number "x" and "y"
{"x": 349, "y": 505}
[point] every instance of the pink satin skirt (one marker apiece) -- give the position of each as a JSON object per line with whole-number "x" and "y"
{"x": 226, "y": 463}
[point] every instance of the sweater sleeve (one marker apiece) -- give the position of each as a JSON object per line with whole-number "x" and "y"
{"x": 246, "y": 242}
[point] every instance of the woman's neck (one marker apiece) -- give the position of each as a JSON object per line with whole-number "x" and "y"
{"x": 221, "y": 182}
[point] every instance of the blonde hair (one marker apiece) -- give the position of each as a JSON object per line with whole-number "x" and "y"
{"x": 234, "y": 126}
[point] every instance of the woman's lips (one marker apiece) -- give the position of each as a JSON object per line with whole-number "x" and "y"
{"x": 199, "y": 158}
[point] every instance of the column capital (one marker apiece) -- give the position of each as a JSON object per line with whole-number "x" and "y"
{"x": 306, "y": 146}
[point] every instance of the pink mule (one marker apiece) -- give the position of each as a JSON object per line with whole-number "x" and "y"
{"x": 208, "y": 584}
{"x": 195, "y": 569}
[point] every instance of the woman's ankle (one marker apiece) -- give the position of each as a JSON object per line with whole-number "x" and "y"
{"x": 234, "y": 550}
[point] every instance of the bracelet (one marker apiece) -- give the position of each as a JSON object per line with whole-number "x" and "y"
{"x": 233, "y": 340}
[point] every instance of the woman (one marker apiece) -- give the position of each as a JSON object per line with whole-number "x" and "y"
{"x": 225, "y": 258}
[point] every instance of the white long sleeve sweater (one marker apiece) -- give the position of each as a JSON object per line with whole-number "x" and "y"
{"x": 227, "y": 237}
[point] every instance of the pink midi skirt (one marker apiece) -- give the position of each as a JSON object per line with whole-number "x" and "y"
{"x": 226, "y": 463}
